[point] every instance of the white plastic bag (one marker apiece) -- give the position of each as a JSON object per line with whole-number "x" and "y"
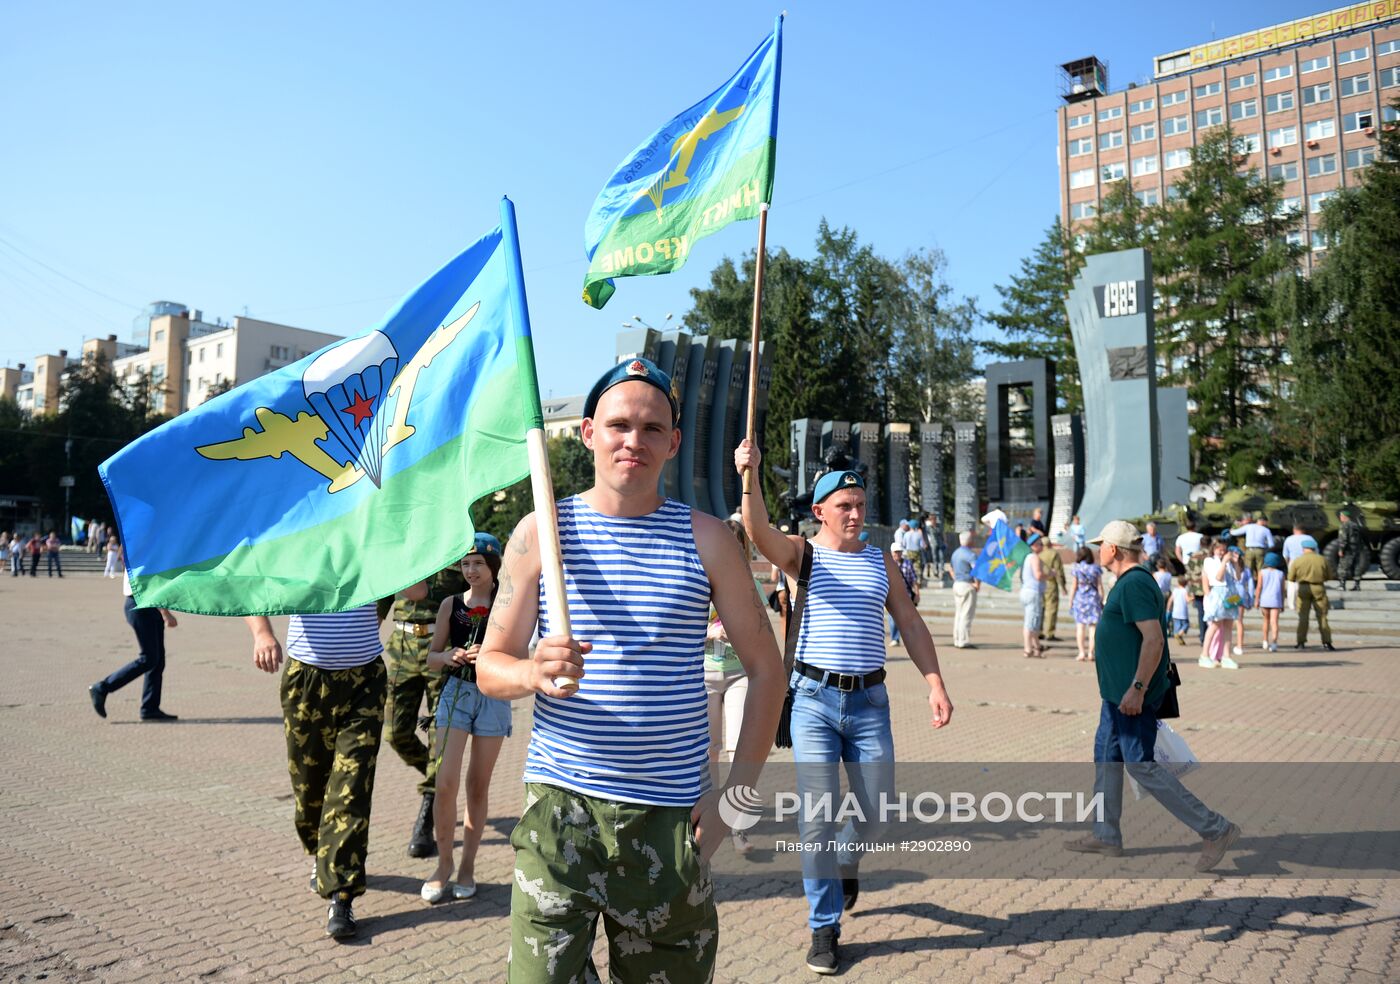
{"x": 1171, "y": 753}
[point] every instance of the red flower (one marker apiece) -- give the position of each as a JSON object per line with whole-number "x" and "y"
{"x": 480, "y": 611}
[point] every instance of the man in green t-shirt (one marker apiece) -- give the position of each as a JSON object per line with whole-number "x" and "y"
{"x": 1130, "y": 654}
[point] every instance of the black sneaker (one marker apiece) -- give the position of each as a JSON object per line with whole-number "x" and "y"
{"x": 821, "y": 958}
{"x": 421, "y": 843}
{"x": 1329, "y": 647}
{"x": 340, "y": 920}
{"x": 159, "y": 716}
{"x": 99, "y": 699}
{"x": 850, "y": 891}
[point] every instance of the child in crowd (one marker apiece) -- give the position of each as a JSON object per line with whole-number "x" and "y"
{"x": 1181, "y": 608}
{"x": 1245, "y": 577}
{"x": 1271, "y": 582}
{"x": 1163, "y": 575}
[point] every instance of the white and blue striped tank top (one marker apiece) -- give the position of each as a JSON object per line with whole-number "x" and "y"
{"x": 637, "y": 729}
{"x": 843, "y": 619}
{"x": 335, "y": 642}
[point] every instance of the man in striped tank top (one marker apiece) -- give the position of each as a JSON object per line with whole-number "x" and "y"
{"x": 333, "y": 693}
{"x": 619, "y": 819}
{"x": 841, "y": 709}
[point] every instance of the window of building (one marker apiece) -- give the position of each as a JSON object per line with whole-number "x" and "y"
{"x": 1083, "y": 210}
{"x": 1319, "y": 240}
{"x": 1283, "y": 137}
{"x": 1173, "y": 63}
{"x": 1144, "y": 165}
{"x": 1320, "y": 93}
{"x": 1317, "y": 200}
{"x": 1244, "y": 109}
{"x": 1081, "y": 179}
{"x": 1173, "y": 159}
{"x": 1286, "y": 206}
{"x": 1353, "y": 122}
{"x": 1174, "y": 192}
{"x": 1172, "y": 98}
{"x": 1279, "y": 102}
{"x": 1207, "y": 90}
{"x": 187, "y": 356}
{"x": 1242, "y": 81}
{"x": 219, "y": 350}
{"x": 1315, "y": 64}
{"x": 1390, "y": 77}
{"x": 1352, "y": 55}
{"x": 160, "y": 334}
{"x": 1294, "y": 238}
{"x": 1388, "y": 47}
{"x": 1284, "y": 172}
{"x": 1278, "y": 72}
{"x": 1360, "y": 157}
{"x": 1112, "y": 172}
{"x": 1175, "y": 125}
{"x": 1147, "y": 196}
{"x": 1144, "y": 131}
{"x": 1112, "y": 113}
{"x": 1080, "y": 146}
{"x": 1142, "y": 105}
{"x": 1389, "y": 114}
{"x": 1355, "y": 85}
{"x": 1322, "y": 164}
{"x": 1210, "y": 117}
{"x": 157, "y": 373}
{"x": 1084, "y": 120}
{"x": 201, "y": 359}
{"x": 1249, "y": 143}
{"x": 1111, "y": 140}
{"x": 1320, "y": 129}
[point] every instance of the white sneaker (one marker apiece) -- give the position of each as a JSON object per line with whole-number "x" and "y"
{"x": 1239, "y": 650}
{"x": 1207, "y": 662}
{"x": 1229, "y": 664}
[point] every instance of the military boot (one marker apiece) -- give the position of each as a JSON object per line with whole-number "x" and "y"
{"x": 421, "y": 843}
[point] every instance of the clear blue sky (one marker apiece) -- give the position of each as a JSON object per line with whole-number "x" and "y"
{"x": 314, "y": 161}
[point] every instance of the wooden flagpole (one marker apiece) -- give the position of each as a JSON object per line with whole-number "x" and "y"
{"x": 760, "y": 262}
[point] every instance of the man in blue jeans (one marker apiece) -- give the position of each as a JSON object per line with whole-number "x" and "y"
{"x": 149, "y": 624}
{"x": 1130, "y": 655}
{"x": 841, "y": 709}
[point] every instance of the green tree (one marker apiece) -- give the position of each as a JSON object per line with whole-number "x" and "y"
{"x": 1345, "y": 345}
{"x": 571, "y": 468}
{"x": 1123, "y": 222}
{"x": 1220, "y": 255}
{"x": 1033, "y": 318}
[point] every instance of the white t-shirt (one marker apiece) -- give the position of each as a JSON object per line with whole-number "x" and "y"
{"x": 1213, "y": 568}
{"x": 1181, "y": 602}
{"x": 1188, "y": 543}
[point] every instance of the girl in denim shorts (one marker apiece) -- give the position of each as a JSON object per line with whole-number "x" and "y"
{"x": 464, "y": 711}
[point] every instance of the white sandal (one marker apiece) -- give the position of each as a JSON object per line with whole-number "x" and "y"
{"x": 460, "y": 892}
{"x": 433, "y": 895}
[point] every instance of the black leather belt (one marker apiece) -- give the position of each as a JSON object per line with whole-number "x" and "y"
{"x": 844, "y": 682}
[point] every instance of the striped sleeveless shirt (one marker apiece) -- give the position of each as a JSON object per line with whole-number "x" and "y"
{"x": 337, "y": 641}
{"x": 843, "y": 620}
{"x": 637, "y": 729}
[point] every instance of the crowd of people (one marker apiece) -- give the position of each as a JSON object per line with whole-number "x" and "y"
{"x": 667, "y": 667}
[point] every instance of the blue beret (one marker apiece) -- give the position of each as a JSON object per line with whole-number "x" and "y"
{"x": 1308, "y": 543}
{"x": 485, "y": 543}
{"x": 1035, "y": 535}
{"x": 1272, "y": 559}
{"x": 834, "y": 480}
{"x": 642, "y": 370}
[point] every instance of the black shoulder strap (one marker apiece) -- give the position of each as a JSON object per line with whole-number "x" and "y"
{"x": 794, "y": 618}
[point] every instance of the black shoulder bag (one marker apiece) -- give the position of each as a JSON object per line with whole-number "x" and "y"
{"x": 791, "y": 628}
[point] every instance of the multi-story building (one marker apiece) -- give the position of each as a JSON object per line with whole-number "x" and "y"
{"x": 1306, "y": 97}
{"x": 183, "y": 358}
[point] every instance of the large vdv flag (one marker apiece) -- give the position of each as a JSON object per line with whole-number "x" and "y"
{"x": 347, "y": 476}
{"x": 708, "y": 166}
{"x": 1001, "y": 555}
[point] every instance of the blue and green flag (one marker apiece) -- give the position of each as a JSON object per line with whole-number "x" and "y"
{"x": 703, "y": 169}
{"x": 349, "y": 475}
{"x": 1001, "y": 556}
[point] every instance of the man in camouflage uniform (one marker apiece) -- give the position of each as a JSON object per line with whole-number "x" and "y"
{"x": 1053, "y": 566}
{"x": 1350, "y": 541}
{"x": 414, "y": 613}
{"x": 1194, "y": 571}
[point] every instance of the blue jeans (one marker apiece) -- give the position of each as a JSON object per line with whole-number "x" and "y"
{"x": 149, "y": 626}
{"x": 54, "y": 562}
{"x": 894, "y": 630}
{"x": 1131, "y": 739}
{"x": 828, "y": 727}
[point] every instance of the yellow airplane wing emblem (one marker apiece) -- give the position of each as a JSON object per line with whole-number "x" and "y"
{"x": 683, "y": 152}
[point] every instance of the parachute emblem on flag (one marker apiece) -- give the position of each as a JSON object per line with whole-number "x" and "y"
{"x": 360, "y": 395}
{"x": 346, "y": 385}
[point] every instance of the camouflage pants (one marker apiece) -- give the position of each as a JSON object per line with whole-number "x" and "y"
{"x": 578, "y": 857}
{"x": 410, "y": 683}
{"x": 1349, "y": 566}
{"x": 333, "y": 720}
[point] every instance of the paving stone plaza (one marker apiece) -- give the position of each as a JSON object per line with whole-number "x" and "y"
{"x": 140, "y": 852}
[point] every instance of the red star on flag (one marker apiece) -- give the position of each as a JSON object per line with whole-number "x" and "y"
{"x": 360, "y": 410}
